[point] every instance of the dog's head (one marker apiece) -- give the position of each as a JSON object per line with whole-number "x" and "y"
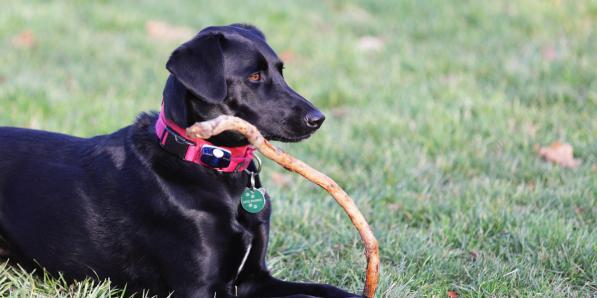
{"x": 232, "y": 70}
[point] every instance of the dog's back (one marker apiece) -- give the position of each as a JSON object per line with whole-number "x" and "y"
{"x": 53, "y": 191}
{"x": 29, "y": 157}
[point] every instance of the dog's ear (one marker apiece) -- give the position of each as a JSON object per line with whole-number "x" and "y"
{"x": 199, "y": 65}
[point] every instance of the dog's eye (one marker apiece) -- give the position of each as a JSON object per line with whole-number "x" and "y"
{"x": 255, "y": 77}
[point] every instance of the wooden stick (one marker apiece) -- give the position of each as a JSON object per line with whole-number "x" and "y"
{"x": 223, "y": 123}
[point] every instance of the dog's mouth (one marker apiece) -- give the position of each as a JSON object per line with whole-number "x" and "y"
{"x": 286, "y": 139}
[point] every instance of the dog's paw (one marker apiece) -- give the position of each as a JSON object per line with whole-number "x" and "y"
{"x": 334, "y": 292}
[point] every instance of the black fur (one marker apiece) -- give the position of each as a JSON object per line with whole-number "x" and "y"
{"x": 118, "y": 206}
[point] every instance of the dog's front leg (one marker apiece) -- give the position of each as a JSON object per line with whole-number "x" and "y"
{"x": 268, "y": 286}
{"x": 184, "y": 271}
{"x": 192, "y": 293}
{"x": 187, "y": 284}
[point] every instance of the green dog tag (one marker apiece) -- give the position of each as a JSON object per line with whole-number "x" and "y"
{"x": 252, "y": 200}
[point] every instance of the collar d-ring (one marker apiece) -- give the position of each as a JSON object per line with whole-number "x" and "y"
{"x": 257, "y": 166}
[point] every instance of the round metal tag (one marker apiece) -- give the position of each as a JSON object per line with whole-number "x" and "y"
{"x": 252, "y": 200}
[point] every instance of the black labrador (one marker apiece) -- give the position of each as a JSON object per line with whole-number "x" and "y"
{"x": 120, "y": 206}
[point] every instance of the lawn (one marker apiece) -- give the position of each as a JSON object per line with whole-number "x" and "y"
{"x": 436, "y": 110}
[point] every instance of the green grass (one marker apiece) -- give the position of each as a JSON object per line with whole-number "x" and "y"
{"x": 434, "y": 135}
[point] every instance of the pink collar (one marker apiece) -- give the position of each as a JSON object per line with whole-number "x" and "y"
{"x": 199, "y": 151}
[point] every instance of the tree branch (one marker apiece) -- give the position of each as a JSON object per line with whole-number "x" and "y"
{"x": 222, "y": 123}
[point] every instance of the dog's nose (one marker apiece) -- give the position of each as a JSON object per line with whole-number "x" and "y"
{"x": 314, "y": 119}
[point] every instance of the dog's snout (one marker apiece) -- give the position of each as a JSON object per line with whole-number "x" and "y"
{"x": 314, "y": 119}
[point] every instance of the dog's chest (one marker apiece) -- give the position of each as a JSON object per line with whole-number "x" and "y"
{"x": 223, "y": 231}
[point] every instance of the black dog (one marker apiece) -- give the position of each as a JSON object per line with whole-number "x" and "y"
{"x": 126, "y": 206}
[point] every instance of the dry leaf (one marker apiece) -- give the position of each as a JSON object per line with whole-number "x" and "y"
{"x": 26, "y": 39}
{"x": 532, "y": 185}
{"x": 422, "y": 197}
{"x": 370, "y": 44}
{"x": 281, "y": 180}
{"x": 394, "y": 206}
{"x": 163, "y": 31}
{"x": 579, "y": 210}
{"x": 453, "y": 294}
{"x": 34, "y": 123}
{"x": 530, "y": 129}
{"x": 559, "y": 153}
{"x": 356, "y": 13}
{"x": 549, "y": 53}
{"x": 287, "y": 56}
{"x": 474, "y": 255}
{"x": 340, "y": 112}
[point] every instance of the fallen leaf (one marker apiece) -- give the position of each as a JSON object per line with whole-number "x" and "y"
{"x": 474, "y": 255}
{"x": 281, "y": 180}
{"x": 163, "y": 31}
{"x": 26, "y": 39}
{"x": 287, "y": 56}
{"x": 370, "y": 44}
{"x": 340, "y": 112}
{"x": 579, "y": 210}
{"x": 34, "y": 123}
{"x": 530, "y": 129}
{"x": 422, "y": 197}
{"x": 559, "y": 153}
{"x": 532, "y": 185}
{"x": 549, "y": 53}
{"x": 453, "y": 294}
{"x": 407, "y": 215}
{"x": 394, "y": 206}
{"x": 356, "y": 13}
{"x": 322, "y": 26}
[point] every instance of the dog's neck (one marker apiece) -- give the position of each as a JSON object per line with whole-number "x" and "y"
{"x": 184, "y": 108}
{"x": 175, "y": 103}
